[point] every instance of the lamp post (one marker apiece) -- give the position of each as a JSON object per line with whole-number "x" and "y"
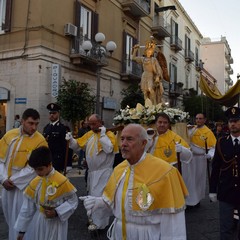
{"x": 99, "y": 52}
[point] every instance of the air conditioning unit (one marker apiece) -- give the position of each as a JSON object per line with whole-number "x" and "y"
{"x": 70, "y": 30}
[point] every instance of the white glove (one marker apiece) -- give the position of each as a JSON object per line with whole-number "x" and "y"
{"x": 103, "y": 131}
{"x": 89, "y": 203}
{"x": 72, "y": 142}
{"x": 68, "y": 136}
{"x": 208, "y": 156}
{"x": 213, "y": 197}
{"x": 178, "y": 148}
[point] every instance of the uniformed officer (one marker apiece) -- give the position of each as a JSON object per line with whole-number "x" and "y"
{"x": 225, "y": 176}
{"x": 55, "y": 132}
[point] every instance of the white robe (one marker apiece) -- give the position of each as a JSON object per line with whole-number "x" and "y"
{"x": 12, "y": 200}
{"x": 195, "y": 175}
{"x": 100, "y": 168}
{"x": 158, "y": 226}
{"x": 38, "y": 227}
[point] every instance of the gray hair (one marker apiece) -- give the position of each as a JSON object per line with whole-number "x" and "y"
{"x": 142, "y": 131}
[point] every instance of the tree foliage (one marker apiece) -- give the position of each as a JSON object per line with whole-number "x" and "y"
{"x": 197, "y": 104}
{"x": 76, "y": 100}
{"x": 131, "y": 96}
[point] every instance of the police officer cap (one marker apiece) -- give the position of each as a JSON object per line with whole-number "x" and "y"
{"x": 233, "y": 113}
{"x": 53, "y": 107}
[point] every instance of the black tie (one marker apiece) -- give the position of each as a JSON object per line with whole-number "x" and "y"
{"x": 236, "y": 145}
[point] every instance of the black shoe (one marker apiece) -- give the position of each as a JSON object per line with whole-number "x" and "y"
{"x": 197, "y": 205}
{"x": 188, "y": 207}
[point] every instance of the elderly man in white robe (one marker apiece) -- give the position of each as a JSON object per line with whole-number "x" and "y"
{"x": 145, "y": 194}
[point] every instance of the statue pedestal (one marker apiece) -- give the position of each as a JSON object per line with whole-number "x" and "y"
{"x": 181, "y": 129}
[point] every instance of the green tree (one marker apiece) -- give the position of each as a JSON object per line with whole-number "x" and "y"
{"x": 76, "y": 100}
{"x": 131, "y": 96}
{"x": 195, "y": 104}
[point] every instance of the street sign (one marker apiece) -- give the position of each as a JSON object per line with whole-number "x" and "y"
{"x": 20, "y": 100}
{"x": 55, "y": 79}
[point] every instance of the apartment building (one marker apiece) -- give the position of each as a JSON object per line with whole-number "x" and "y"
{"x": 45, "y": 42}
{"x": 217, "y": 59}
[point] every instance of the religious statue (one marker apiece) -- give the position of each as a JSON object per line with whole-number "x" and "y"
{"x": 153, "y": 72}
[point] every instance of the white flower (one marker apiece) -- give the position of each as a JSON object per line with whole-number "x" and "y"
{"x": 146, "y": 114}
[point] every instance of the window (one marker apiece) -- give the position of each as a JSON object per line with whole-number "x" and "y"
{"x": 129, "y": 41}
{"x": 196, "y": 57}
{"x": 87, "y": 24}
{"x": 173, "y": 78}
{"x": 187, "y": 45}
{"x": 129, "y": 45}
{"x": 86, "y": 21}
{"x": 187, "y": 80}
{"x": 174, "y": 28}
{"x": 5, "y": 15}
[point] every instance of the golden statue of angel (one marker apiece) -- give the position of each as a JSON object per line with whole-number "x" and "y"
{"x": 154, "y": 71}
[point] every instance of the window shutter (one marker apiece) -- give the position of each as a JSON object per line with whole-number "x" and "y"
{"x": 124, "y": 44}
{"x": 77, "y": 16}
{"x": 7, "y": 26}
{"x": 94, "y": 27}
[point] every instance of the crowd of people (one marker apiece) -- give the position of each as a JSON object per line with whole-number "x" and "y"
{"x": 160, "y": 175}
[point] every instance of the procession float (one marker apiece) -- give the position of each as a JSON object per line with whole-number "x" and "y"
{"x": 154, "y": 72}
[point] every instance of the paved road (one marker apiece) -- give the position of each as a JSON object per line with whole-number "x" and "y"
{"x": 202, "y": 222}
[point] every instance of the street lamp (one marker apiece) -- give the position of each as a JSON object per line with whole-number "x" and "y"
{"x": 99, "y": 52}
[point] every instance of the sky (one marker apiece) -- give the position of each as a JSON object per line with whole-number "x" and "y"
{"x": 214, "y": 19}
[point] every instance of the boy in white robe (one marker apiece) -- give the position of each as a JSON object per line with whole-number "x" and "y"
{"x": 50, "y": 199}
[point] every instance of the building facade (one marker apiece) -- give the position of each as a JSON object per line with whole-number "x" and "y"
{"x": 42, "y": 44}
{"x": 216, "y": 55}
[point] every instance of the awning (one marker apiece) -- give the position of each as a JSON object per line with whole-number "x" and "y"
{"x": 229, "y": 99}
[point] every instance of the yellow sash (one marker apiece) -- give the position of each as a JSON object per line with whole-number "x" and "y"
{"x": 165, "y": 146}
{"x": 125, "y": 187}
{"x": 56, "y": 181}
{"x": 82, "y": 141}
{"x": 200, "y": 135}
{"x": 12, "y": 157}
{"x": 22, "y": 147}
{"x": 163, "y": 181}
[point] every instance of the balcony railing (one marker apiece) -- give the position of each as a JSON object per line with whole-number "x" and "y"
{"x": 229, "y": 58}
{"x": 131, "y": 70}
{"x": 228, "y": 80}
{"x": 160, "y": 27}
{"x": 227, "y": 67}
{"x": 175, "y": 89}
{"x": 137, "y": 8}
{"x": 176, "y": 43}
{"x": 189, "y": 56}
{"x": 79, "y": 56}
{"x": 230, "y": 71}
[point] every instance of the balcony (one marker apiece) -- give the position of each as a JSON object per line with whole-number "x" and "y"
{"x": 227, "y": 67}
{"x": 91, "y": 58}
{"x": 189, "y": 56}
{"x": 175, "y": 89}
{"x": 230, "y": 71}
{"x": 176, "y": 43}
{"x": 131, "y": 70}
{"x": 229, "y": 58}
{"x": 228, "y": 80}
{"x": 160, "y": 28}
{"x": 137, "y": 8}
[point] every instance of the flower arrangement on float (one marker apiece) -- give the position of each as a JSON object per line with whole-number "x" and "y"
{"x": 146, "y": 114}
